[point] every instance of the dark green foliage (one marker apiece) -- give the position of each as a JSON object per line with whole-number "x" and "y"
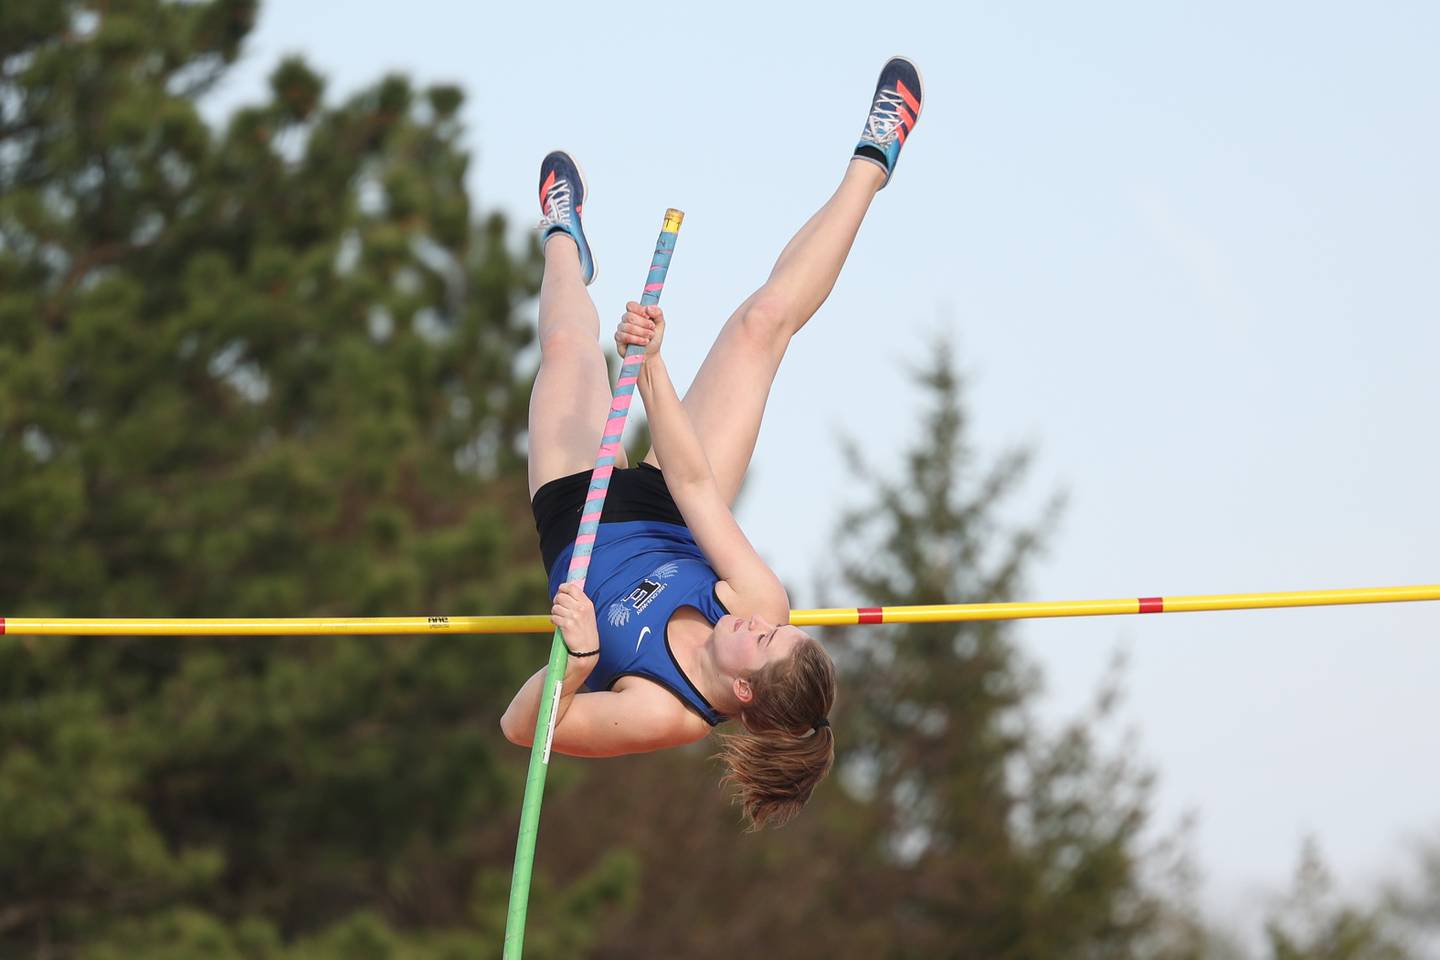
{"x": 263, "y": 371}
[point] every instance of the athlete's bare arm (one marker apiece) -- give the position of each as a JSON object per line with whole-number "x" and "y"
{"x": 689, "y": 477}
{"x": 638, "y": 718}
{"x": 574, "y": 614}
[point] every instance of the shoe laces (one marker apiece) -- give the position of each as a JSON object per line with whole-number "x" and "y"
{"x": 557, "y": 205}
{"x": 884, "y": 120}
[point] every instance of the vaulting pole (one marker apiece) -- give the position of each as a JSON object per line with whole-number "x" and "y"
{"x": 579, "y": 565}
{"x": 831, "y": 617}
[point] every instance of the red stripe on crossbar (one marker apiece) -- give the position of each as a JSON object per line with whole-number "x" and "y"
{"x": 1152, "y": 604}
{"x": 871, "y": 614}
{"x": 2, "y": 624}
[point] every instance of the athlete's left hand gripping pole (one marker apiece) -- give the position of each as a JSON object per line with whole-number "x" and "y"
{"x": 579, "y": 565}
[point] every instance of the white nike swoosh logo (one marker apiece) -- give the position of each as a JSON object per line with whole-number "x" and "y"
{"x": 642, "y": 638}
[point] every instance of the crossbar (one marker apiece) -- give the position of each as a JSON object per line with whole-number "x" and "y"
{"x": 830, "y": 617}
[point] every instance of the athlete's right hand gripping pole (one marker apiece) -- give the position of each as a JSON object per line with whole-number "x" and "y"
{"x": 579, "y": 565}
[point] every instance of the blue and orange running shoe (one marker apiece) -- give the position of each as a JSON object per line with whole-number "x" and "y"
{"x": 562, "y": 200}
{"x": 893, "y": 114}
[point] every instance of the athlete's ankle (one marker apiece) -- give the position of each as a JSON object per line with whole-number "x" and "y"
{"x": 569, "y": 248}
{"x": 866, "y": 171}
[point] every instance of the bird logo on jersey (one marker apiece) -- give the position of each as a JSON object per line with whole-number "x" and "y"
{"x": 643, "y": 594}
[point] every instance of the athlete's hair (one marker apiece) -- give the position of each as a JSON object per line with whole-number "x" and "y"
{"x": 787, "y": 747}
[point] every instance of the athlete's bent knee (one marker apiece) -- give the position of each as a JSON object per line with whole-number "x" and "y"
{"x": 568, "y": 340}
{"x": 768, "y": 320}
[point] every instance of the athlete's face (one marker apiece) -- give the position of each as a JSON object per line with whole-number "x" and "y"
{"x": 745, "y": 645}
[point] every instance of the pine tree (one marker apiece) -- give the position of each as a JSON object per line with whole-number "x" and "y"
{"x": 1414, "y": 901}
{"x": 265, "y": 370}
{"x": 1315, "y": 923}
{"x": 1002, "y": 840}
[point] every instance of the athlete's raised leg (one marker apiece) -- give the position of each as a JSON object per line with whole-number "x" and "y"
{"x": 571, "y": 398}
{"x": 727, "y": 400}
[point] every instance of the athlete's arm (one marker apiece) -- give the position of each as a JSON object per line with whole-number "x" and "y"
{"x": 574, "y": 614}
{"x": 637, "y": 719}
{"x": 688, "y": 475}
{"x": 608, "y": 723}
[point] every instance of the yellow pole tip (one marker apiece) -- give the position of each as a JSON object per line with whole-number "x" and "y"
{"x": 673, "y": 219}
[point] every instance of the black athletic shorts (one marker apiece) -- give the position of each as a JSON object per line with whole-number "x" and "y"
{"x": 636, "y": 493}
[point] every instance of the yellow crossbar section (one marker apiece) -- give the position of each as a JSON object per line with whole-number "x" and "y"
{"x": 941, "y": 613}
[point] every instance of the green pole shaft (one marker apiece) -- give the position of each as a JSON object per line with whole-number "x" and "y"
{"x": 579, "y": 566}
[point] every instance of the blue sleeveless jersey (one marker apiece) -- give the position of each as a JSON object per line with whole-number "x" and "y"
{"x": 641, "y": 572}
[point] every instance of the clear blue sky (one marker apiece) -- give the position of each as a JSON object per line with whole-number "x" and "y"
{"x": 1188, "y": 252}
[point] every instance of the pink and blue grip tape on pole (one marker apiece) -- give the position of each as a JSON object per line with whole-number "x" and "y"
{"x": 620, "y": 409}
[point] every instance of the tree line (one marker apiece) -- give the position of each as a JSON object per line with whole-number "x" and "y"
{"x": 268, "y": 368}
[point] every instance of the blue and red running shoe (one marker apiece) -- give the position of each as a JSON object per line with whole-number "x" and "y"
{"x": 893, "y": 114}
{"x": 562, "y": 200}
